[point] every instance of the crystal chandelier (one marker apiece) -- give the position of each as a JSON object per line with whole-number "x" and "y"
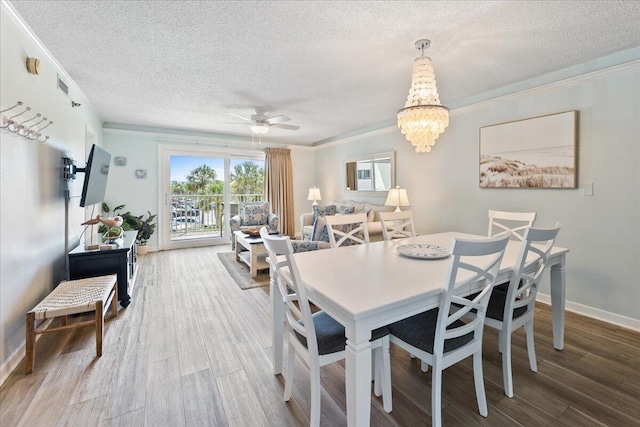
{"x": 423, "y": 119}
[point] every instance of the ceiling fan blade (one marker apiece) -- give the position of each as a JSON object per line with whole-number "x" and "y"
{"x": 233, "y": 123}
{"x": 279, "y": 119}
{"x": 240, "y": 117}
{"x": 289, "y": 127}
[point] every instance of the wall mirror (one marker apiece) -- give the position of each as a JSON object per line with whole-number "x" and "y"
{"x": 372, "y": 173}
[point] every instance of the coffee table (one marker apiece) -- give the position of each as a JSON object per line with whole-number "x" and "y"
{"x": 255, "y": 253}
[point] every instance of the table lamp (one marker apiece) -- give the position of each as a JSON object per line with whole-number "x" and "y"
{"x": 397, "y": 197}
{"x": 314, "y": 194}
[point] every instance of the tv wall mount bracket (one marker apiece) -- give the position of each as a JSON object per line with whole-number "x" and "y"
{"x": 69, "y": 169}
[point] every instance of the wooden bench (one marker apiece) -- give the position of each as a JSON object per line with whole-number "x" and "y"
{"x": 73, "y": 297}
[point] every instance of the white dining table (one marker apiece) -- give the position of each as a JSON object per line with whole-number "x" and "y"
{"x": 368, "y": 286}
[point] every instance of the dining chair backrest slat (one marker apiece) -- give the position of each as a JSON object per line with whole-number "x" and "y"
{"x": 397, "y": 224}
{"x": 347, "y": 229}
{"x": 510, "y": 223}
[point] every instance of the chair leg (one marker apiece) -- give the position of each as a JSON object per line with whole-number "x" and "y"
{"x": 531, "y": 349}
{"x": 507, "y": 377}
{"x": 387, "y": 402}
{"x": 479, "y": 382}
{"x": 500, "y": 343}
{"x": 315, "y": 395}
{"x": 114, "y": 301}
{"x": 99, "y": 328}
{"x": 291, "y": 362}
{"x": 436, "y": 395}
{"x": 30, "y": 344}
{"x": 424, "y": 366}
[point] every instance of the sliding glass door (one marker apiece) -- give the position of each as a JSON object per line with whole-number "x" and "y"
{"x": 201, "y": 189}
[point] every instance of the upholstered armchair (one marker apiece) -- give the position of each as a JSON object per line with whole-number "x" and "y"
{"x": 253, "y": 215}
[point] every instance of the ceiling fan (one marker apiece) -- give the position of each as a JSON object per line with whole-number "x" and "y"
{"x": 261, "y": 122}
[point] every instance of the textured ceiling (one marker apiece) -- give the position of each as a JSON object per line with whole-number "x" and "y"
{"x": 333, "y": 67}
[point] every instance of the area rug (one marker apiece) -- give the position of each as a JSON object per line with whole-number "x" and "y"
{"x": 240, "y": 273}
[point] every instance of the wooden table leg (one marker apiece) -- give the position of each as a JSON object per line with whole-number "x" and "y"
{"x": 238, "y": 247}
{"x": 253, "y": 264}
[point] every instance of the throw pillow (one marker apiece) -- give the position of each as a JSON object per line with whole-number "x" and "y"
{"x": 346, "y": 210}
{"x": 319, "y": 212}
{"x": 320, "y": 232}
{"x": 323, "y": 210}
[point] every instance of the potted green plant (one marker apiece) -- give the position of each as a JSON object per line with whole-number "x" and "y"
{"x": 145, "y": 230}
{"x": 126, "y": 223}
{"x": 144, "y": 227}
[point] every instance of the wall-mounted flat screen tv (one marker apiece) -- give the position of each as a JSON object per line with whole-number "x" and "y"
{"x": 95, "y": 177}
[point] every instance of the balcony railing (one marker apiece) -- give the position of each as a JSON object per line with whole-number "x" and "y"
{"x": 202, "y": 215}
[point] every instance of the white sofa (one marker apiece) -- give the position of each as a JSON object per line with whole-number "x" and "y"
{"x": 373, "y": 218}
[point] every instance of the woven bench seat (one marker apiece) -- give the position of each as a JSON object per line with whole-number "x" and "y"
{"x": 73, "y": 297}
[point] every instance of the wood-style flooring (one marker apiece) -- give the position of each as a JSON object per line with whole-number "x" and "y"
{"x": 193, "y": 349}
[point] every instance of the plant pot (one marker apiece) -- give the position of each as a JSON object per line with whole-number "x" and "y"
{"x": 143, "y": 249}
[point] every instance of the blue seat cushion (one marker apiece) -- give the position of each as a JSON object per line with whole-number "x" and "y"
{"x": 495, "y": 310}
{"x": 498, "y": 299}
{"x": 420, "y": 332}
{"x": 330, "y": 334}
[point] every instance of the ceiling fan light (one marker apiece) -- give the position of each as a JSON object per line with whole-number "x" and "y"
{"x": 259, "y": 129}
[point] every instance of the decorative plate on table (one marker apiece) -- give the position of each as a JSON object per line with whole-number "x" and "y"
{"x": 423, "y": 251}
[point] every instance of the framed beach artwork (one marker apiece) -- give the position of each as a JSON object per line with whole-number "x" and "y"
{"x": 532, "y": 153}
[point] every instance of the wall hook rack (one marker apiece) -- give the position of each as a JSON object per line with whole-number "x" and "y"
{"x": 32, "y": 131}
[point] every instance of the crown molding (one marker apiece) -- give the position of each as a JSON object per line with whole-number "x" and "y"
{"x": 13, "y": 13}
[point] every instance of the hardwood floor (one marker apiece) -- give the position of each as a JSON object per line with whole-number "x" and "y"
{"x": 193, "y": 349}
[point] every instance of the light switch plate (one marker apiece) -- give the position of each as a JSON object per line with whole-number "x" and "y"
{"x": 587, "y": 190}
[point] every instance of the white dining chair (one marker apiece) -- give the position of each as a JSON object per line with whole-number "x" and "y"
{"x": 510, "y": 223}
{"x": 397, "y": 225}
{"x": 438, "y": 336}
{"x": 513, "y": 309}
{"x": 347, "y": 229}
{"x": 316, "y": 338}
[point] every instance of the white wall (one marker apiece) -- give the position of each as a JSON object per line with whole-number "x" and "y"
{"x": 139, "y": 195}
{"x": 602, "y": 231}
{"x": 32, "y": 208}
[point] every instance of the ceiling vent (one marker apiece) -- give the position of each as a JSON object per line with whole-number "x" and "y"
{"x": 63, "y": 86}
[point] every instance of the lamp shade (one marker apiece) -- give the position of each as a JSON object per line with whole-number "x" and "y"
{"x": 397, "y": 197}
{"x": 314, "y": 194}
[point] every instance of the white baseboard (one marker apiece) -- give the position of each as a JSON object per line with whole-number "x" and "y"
{"x": 16, "y": 357}
{"x": 595, "y": 313}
